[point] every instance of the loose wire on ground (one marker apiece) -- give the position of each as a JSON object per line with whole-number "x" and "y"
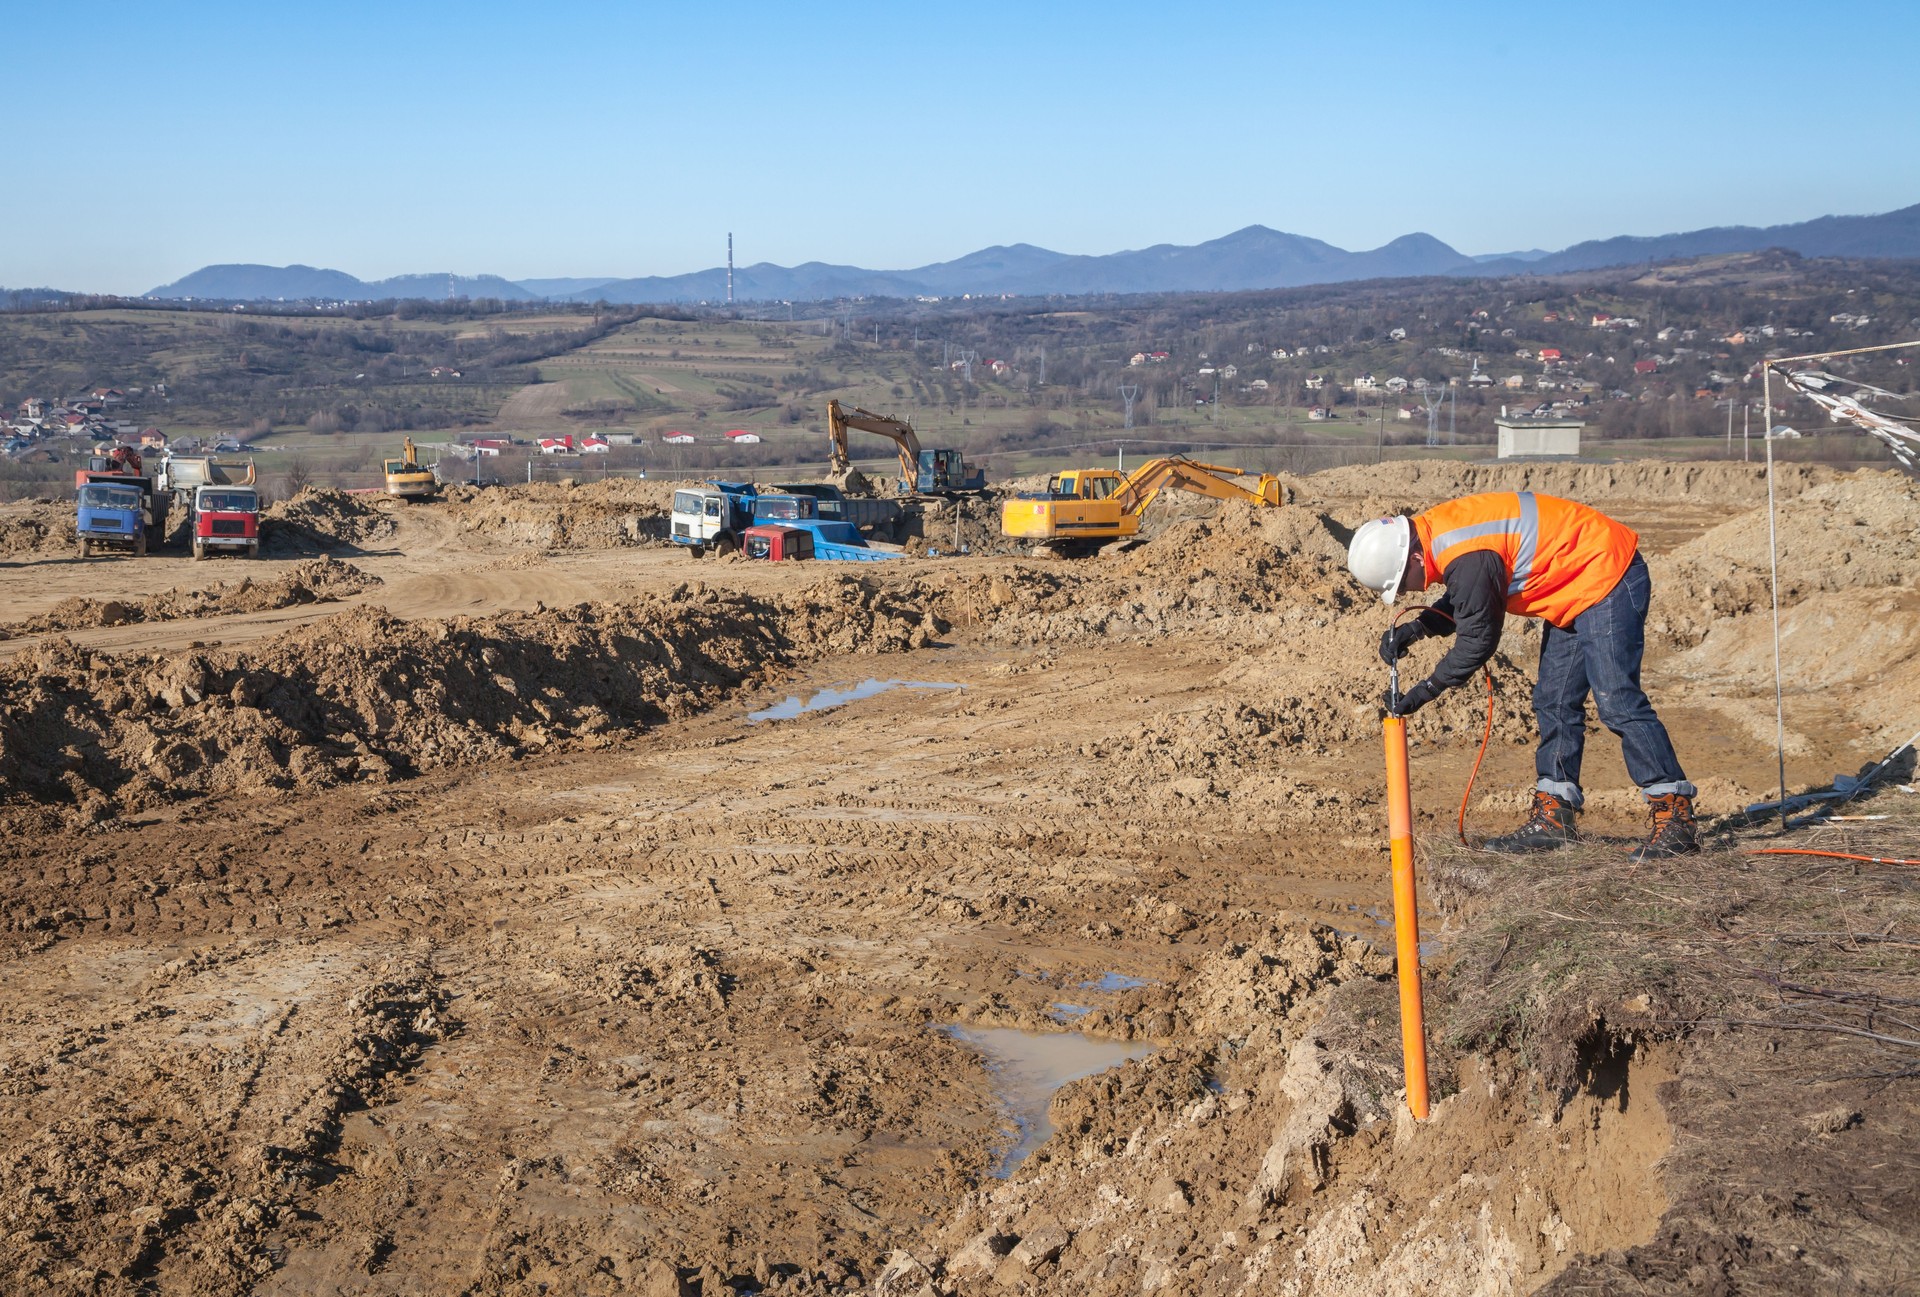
{"x": 1835, "y": 855}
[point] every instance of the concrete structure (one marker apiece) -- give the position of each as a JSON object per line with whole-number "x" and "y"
{"x": 1539, "y": 438}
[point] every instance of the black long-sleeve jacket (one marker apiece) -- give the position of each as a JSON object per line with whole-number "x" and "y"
{"x": 1473, "y": 611}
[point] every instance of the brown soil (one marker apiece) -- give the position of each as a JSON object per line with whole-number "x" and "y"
{"x": 466, "y": 935}
{"x": 30, "y": 527}
{"x": 323, "y": 580}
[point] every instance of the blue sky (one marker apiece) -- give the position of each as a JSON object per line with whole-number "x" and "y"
{"x": 145, "y": 140}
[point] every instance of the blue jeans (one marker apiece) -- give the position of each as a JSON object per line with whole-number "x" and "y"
{"x": 1602, "y": 652}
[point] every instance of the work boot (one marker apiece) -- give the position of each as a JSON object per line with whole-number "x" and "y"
{"x": 1674, "y": 832}
{"x": 1550, "y": 826}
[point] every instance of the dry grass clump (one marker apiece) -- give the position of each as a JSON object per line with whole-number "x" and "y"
{"x": 1564, "y": 948}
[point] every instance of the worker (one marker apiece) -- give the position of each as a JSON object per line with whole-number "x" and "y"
{"x": 1579, "y": 572}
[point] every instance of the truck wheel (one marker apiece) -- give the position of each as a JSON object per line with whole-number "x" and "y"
{"x": 86, "y": 548}
{"x": 199, "y": 551}
{"x": 140, "y": 544}
{"x": 253, "y": 549}
{"x": 725, "y": 547}
{"x": 698, "y": 551}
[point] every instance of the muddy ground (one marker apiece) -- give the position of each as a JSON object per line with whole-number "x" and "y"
{"x": 423, "y": 908}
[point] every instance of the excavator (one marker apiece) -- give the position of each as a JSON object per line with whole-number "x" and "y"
{"x": 1085, "y": 508}
{"x": 407, "y": 477}
{"x": 927, "y": 472}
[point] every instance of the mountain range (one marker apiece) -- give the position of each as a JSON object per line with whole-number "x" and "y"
{"x": 1253, "y": 258}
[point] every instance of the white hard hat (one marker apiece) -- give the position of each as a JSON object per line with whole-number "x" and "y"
{"x": 1378, "y": 555}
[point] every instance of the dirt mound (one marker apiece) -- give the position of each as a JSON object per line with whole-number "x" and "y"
{"x": 1638, "y": 480}
{"x": 607, "y": 514}
{"x": 368, "y": 696}
{"x": 321, "y": 519}
{"x": 37, "y": 527}
{"x": 1437, "y": 479}
{"x": 1861, "y": 531}
{"x": 319, "y": 580}
{"x": 965, "y": 524}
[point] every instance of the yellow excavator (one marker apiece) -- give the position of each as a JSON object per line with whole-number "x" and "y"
{"x": 407, "y": 477}
{"x": 1085, "y": 508}
{"x": 928, "y": 472}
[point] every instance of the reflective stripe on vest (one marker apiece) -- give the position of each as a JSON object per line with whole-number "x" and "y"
{"x": 1561, "y": 557}
{"x": 1526, "y": 526}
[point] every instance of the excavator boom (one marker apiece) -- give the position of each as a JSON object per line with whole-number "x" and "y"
{"x": 1084, "y": 509}
{"x": 1155, "y": 476}
{"x": 898, "y": 431}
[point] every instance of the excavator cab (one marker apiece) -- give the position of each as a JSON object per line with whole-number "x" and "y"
{"x": 1084, "y": 484}
{"x": 946, "y": 470}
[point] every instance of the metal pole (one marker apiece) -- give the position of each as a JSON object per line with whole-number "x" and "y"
{"x": 1773, "y": 563}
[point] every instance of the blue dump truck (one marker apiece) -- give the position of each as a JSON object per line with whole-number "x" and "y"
{"x": 117, "y": 507}
{"x": 716, "y": 515}
{"x": 833, "y": 539}
{"x": 836, "y": 505}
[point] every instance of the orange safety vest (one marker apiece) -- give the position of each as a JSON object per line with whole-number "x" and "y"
{"x": 1562, "y": 558}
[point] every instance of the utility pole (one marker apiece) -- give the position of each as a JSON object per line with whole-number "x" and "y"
{"x": 1127, "y": 392}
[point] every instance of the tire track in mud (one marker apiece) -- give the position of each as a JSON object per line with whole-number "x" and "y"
{"x": 790, "y": 1092}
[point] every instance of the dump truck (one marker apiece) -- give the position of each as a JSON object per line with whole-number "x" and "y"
{"x": 222, "y": 506}
{"x": 182, "y": 475}
{"x": 836, "y": 505}
{"x": 117, "y": 504}
{"x": 833, "y": 538}
{"x": 224, "y": 518}
{"x": 712, "y": 515}
{"x": 1086, "y": 508}
{"x": 922, "y": 471}
{"x": 407, "y": 478}
{"x": 114, "y": 510}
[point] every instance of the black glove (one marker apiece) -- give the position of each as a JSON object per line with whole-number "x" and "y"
{"x": 1411, "y": 701}
{"x": 1396, "y": 640}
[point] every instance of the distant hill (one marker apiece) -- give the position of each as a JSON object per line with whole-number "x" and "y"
{"x": 1253, "y": 258}
{"x": 434, "y": 286}
{"x": 244, "y": 283}
{"x": 1889, "y": 235}
{"x": 561, "y": 287}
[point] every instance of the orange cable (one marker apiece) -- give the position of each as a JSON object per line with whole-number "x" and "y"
{"x": 1485, "y": 739}
{"x": 1836, "y": 855}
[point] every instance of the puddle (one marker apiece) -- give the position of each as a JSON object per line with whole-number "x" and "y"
{"x": 1028, "y": 1067}
{"x": 1115, "y": 982}
{"x": 821, "y": 701}
{"x": 1064, "y": 1012}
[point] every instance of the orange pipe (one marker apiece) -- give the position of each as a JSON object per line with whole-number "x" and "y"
{"x": 1406, "y": 919}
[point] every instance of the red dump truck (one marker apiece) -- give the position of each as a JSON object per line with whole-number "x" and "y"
{"x": 223, "y": 508}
